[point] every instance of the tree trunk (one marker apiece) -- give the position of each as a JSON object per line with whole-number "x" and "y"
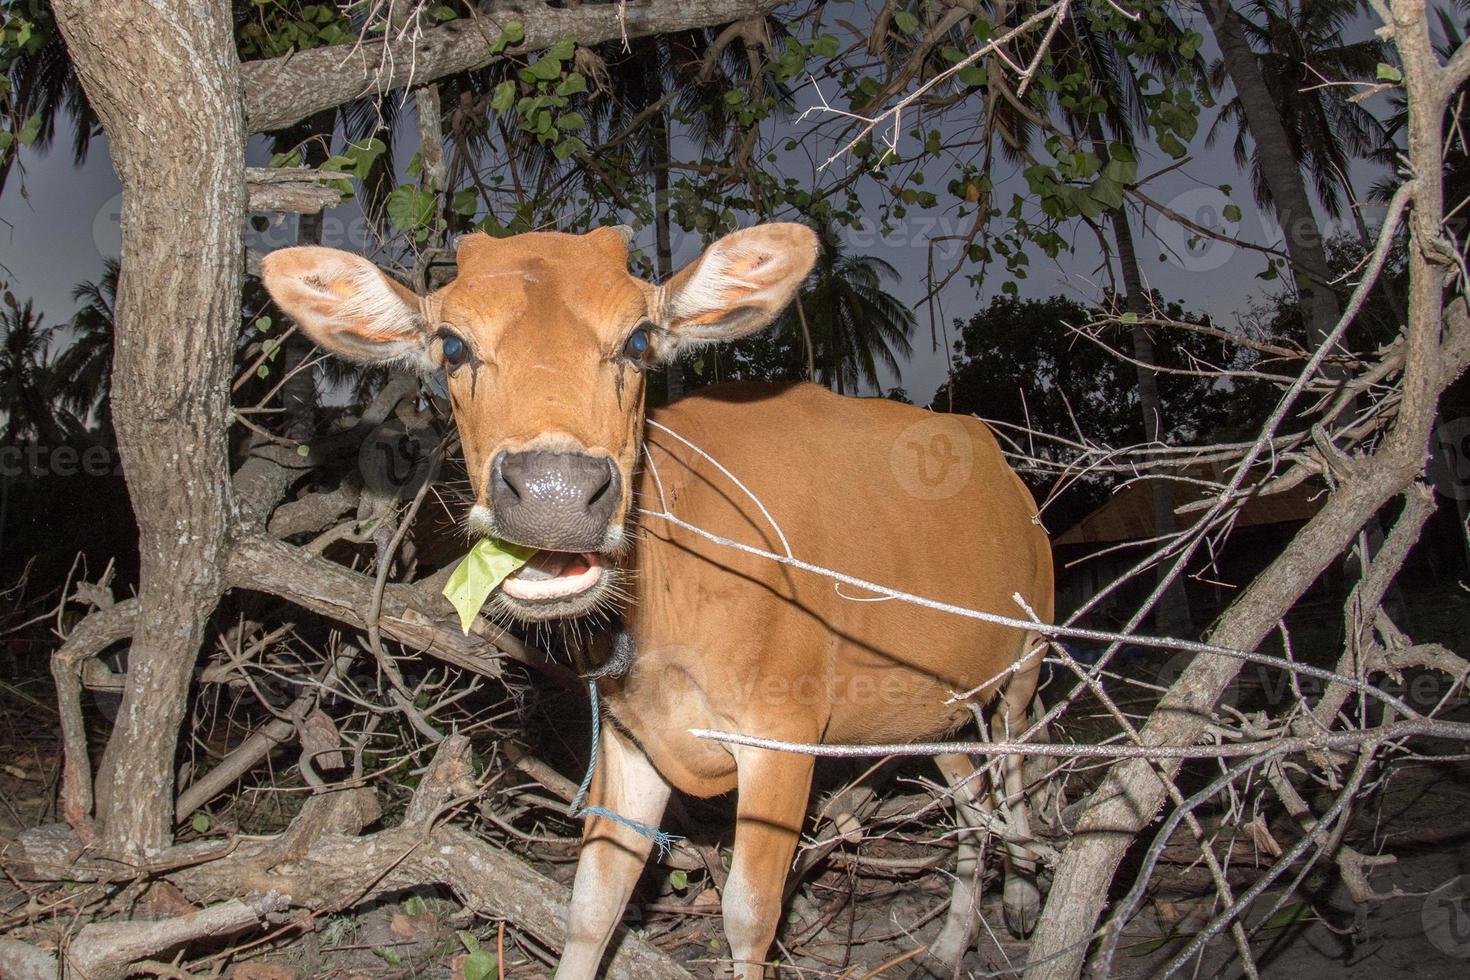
{"x": 1304, "y": 242}
{"x": 164, "y": 78}
{"x": 1171, "y": 615}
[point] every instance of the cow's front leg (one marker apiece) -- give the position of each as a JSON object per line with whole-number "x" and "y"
{"x": 774, "y": 788}
{"x": 612, "y": 855}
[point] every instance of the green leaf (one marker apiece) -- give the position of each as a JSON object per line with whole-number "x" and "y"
{"x": 443, "y": 12}
{"x": 414, "y": 905}
{"x": 571, "y": 120}
{"x": 480, "y": 965}
{"x": 563, "y": 49}
{"x": 1108, "y": 192}
{"x": 468, "y": 939}
{"x": 479, "y": 573}
{"x": 1171, "y": 145}
{"x": 824, "y": 46}
{"x": 410, "y": 208}
{"x": 546, "y": 69}
{"x": 1231, "y": 213}
{"x": 200, "y": 822}
{"x": 5, "y": 140}
{"x": 1087, "y": 200}
{"x": 1128, "y": 318}
{"x": 972, "y": 75}
{"x": 364, "y": 155}
{"x": 303, "y": 450}
{"x": 505, "y": 94}
{"x": 466, "y": 202}
{"x": 29, "y": 131}
{"x": 679, "y": 879}
{"x": 513, "y": 33}
{"x": 573, "y": 84}
{"x": 1388, "y": 73}
{"x": 567, "y": 147}
{"x": 263, "y": 372}
{"x": 906, "y": 21}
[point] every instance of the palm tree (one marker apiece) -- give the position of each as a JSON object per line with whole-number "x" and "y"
{"x": 854, "y": 323}
{"x": 640, "y": 94}
{"x": 1300, "y": 46}
{"x": 1280, "y": 166}
{"x": 25, "y": 379}
{"x": 84, "y": 369}
{"x": 42, "y": 84}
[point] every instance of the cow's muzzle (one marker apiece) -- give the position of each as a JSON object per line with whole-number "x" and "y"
{"x": 554, "y": 501}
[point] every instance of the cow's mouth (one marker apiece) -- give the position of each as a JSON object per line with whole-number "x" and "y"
{"x": 554, "y": 577}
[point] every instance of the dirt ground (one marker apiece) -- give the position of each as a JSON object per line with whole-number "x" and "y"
{"x": 864, "y": 911}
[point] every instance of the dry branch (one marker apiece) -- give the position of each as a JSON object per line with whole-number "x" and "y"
{"x": 323, "y": 866}
{"x": 109, "y": 950}
{"x": 420, "y": 622}
{"x": 295, "y": 190}
{"x": 1133, "y": 792}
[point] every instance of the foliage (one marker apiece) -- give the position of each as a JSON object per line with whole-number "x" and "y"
{"x": 1017, "y": 362}
{"x": 1300, "y": 45}
{"x": 36, "y": 82}
{"x": 86, "y": 363}
{"x": 27, "y": 383}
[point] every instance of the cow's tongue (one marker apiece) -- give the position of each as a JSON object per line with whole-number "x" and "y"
{"x": 546, "y": 565}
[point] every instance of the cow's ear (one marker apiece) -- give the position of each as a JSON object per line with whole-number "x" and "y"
{"x": 740, "y": 284}
{"x": 348, "y": 306}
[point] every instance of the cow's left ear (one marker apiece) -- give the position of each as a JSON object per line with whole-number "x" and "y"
{"x": 739, "y": 285}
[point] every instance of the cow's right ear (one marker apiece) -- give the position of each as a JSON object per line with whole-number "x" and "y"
{"x": 348, "y": 306}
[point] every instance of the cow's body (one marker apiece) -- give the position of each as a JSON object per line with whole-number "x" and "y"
{"x": 735, "y": 642}
{"x": 730, "y": 641}
{"x": 544, "y": 340}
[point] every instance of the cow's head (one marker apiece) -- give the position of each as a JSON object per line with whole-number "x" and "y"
{"x": 544, "y": 339}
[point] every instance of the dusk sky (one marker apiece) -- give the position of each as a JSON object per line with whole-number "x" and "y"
{"x": 59, "y": 222}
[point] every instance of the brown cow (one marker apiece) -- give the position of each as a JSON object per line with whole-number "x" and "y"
{"x": 545, "y": 338}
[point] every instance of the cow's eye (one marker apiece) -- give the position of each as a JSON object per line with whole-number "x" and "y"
{"x": 456, "y": 351}
{"x": 638, "y": 348}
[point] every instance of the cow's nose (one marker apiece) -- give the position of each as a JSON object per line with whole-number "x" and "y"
{"x": 556, "y": 501}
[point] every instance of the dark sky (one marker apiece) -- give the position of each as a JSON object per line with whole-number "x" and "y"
{"x": 57, "y": 232}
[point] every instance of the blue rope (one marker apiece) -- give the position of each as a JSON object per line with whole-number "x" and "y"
{"x": 661, "y": 839}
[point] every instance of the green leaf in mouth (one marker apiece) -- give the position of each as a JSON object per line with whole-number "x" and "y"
{"x": 479, "y": 572}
